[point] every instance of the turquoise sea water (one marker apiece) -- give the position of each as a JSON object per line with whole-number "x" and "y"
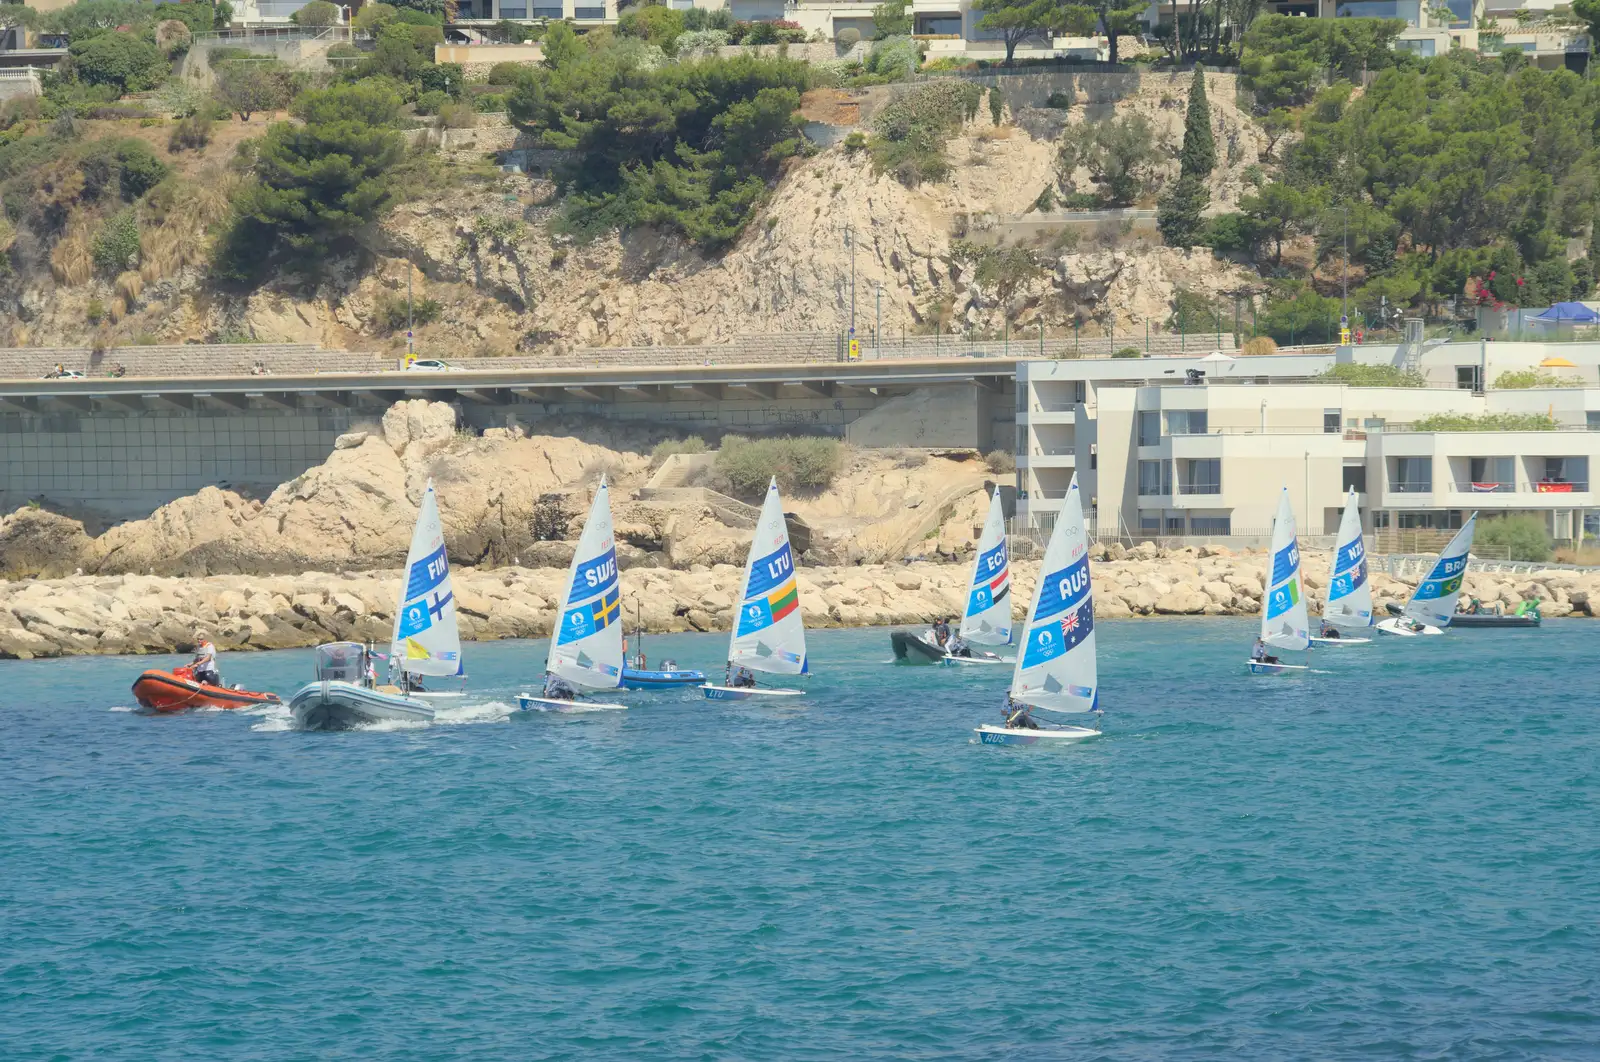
{"x": 1393, "y": 859}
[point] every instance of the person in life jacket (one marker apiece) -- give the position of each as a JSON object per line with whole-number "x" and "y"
{"x": 205, "y": 660}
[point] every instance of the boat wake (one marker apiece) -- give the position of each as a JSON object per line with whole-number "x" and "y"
{"x": 273, "y": 719}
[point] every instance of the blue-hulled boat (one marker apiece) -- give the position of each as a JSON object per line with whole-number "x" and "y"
{"x": 641, "y": 679}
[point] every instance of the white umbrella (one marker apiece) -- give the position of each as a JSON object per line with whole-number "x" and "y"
{"x": 1217, "y": 356}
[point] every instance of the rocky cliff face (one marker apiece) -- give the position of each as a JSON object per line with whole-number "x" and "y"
{"x": 505, "y": 284}
{"x": 357, "y": 509}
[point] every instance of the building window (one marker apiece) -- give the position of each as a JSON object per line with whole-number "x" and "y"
{"x": 589, "y": 12}
{"x": 1331, "y": 419}
{"x": 1380, "y": 519}
{"x": 938, "y": 25}
{"x": 1149, "y": 428}
{"x": 1568, "y": 472}
{"x": 1449, "y": 520}
{"x": 1355, "y": 478}
{"x": 1080, "y": 391}
{"x": 514, "y": 11}
{"x": 1186, "y": 422}
{"x": 1155, "y": 477}
{"x": 1413, "y": 475}
{"x": 1094, "y": 456}
{"x": 1150, "y": 522}
{"x": 1467, "y": 378}
{"x": 1593, "y": 416}
{"x": 1210, "y": 525}
{"x": 1202, "y": 476}
{"x": 1490, "y": 475}
{"x": 1175, "y": 525}
{"x": 547, "y": 12}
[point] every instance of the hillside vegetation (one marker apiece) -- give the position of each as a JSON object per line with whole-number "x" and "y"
{"x": 679, "y": 201}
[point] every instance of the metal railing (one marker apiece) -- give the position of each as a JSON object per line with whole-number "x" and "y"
{"x": 1411, "y": 486}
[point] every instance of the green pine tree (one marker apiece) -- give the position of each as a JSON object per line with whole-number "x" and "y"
{"x": 1180, "y": 213}
{"x": 1199, "y": 147}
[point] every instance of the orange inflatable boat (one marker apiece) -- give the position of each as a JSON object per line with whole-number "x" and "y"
{"x": 177, "y": 691}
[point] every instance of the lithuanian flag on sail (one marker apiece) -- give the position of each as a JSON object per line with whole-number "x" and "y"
{"x": 784, "y": 600}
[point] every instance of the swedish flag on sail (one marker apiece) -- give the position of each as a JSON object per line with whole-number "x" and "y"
{"x": 596, "y": 615}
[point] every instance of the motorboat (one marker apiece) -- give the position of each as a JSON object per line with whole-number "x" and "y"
{"x": 1523, "y": 618}
{"x": 913, "y": 648}
{"x": 178, "y": 690}
{"x": 342, "y": 697}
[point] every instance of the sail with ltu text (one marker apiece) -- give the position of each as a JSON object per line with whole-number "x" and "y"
{"x": 1349, "y": 591}
{"x": 987, "y": 620}
{"x": 426, "y": 641}
{"x": 1283, "y": 606}
{"x": 1435, "y": 599}
{"x": 1056, "y": 667}
{"x": 586, "y": 647}
{"x": 768, "y": 633}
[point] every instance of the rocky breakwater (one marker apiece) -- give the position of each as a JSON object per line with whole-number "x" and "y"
{"x": 154, "y": 614}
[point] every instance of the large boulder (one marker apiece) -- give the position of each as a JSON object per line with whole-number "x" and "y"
{"x": 36, "y": 542}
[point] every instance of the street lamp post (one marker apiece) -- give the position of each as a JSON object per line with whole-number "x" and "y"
{"x": 1344, "y": 295}
{"x": 877, "y": 338}
{"x": 850, "y": 242}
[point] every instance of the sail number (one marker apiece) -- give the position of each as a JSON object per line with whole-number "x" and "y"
{"x": 996, "y": 562}
{"x": 780, "y": 566}
{"x": 602, "y": 574}
{"x": 1452, "y": 566}
{"x": 437, "y": 567}
{"x": 1074, "y": 583}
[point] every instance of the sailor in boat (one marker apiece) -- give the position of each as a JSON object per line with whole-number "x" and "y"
{"x": 1329, "y": 631}
{"x": 370, "y": 674}
{"x": 742, "y": 678}
{"x": 557, "y": 688}
{"x": 411, "y": 682}
{"x": 205, "y": 660}
{"x": 958, "y": 646}
{"x": 1018, "y": 716}
{"x": 941, "y": 632}
{"x": 1260, "y": 655}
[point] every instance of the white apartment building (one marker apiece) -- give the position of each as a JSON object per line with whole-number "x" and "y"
{"x": 1160, "y": 457}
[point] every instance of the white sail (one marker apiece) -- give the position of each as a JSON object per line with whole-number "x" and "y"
{"x": 1283, "y": 606}
{"x": 1056, "y": 668}
{"x": 426, "y": 641}
{"x": 987, "y": 620}
{"x": 586, "y": 647}
{"x": 1435, "y": 600}
{"x": 1349, "y": 591}
{"x": 768, "y": 633}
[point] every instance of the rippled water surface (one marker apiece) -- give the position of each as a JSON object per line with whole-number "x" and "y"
{"x": 1392, "y": 858}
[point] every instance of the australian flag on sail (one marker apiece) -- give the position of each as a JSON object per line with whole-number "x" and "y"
{"x": 426, "y": 574}
{"x": 590, "y": 618}
{"x": 1064, "y": 589}
{"x": 1050, "y": 640}
{"x": 418, "y": 616}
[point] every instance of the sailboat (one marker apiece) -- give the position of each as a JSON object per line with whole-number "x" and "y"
{"x": 425, "y": 641}
{"x": 768, "y": 633}
{"x": 1056, "y": 669}
{"x": 987, "y": 617}
{"x": 586, "y": 646}
{"x": 1434, "y": 603}
{"x": 1283, "y": 605}
{"x": 1349, "y": 593}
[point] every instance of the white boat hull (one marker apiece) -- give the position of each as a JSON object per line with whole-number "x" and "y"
{"x": 744, "y": 693}
{"x": 529, "y": 706}
{"x": 1395, "y": 626}
{"x": 1258, "y": 667}
{"x": 965, "y": 661}
{"x": 989, "y": 734}
{"x": 1339, "y": 643}
{"x": 331, "y": 705}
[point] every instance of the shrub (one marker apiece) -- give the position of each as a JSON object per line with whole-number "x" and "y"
{"x": 549, "y": 520}
{"x": 1000, "y": 462}
{"x": 997, "y": 104}
{"x": 506, "y": 73}
{"x": 120, "y": 60}
{"x": 1485, "y": 422}
{"x": 800, "y": 463}
{"x": 390, "y": 313}
{"x": 1129, "y": 352}
{"x": 854, "y": 142}
{"x": 1059, "y": 101}
{"x": 95, "y": 311}
{"x": 664, "y": 449}
{"x": 691, "y": 41}
{"x": 489, "y": 103}
{"x": 1258, "y": 345}
{"x": 1372, "y": 376}
{"x": 1524, "y": 535}
{"x": 116, "y": 245}
{"x": 430, "y": 102}
{"x": 192, "y": 133}
{"x": 172, "y": 37}
{"x": 1528, "y": 378}
{"x": 849, "y": 37}
{"x": 457, "y": 116}
{"x": 910, "y": 130}
{"x": 896, "y": 57}
{"x": 316, "y": 13}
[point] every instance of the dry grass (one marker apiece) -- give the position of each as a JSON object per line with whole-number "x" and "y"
{"x": 1588, "y": 555}
{"x": 174, "y": 235}
{"x": 117, "y": 310}
{"x": 71, "y": 262}
{"x": 129, "y": 286}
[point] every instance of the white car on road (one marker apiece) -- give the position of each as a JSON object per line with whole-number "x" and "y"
{"x": 430, "y": 365}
